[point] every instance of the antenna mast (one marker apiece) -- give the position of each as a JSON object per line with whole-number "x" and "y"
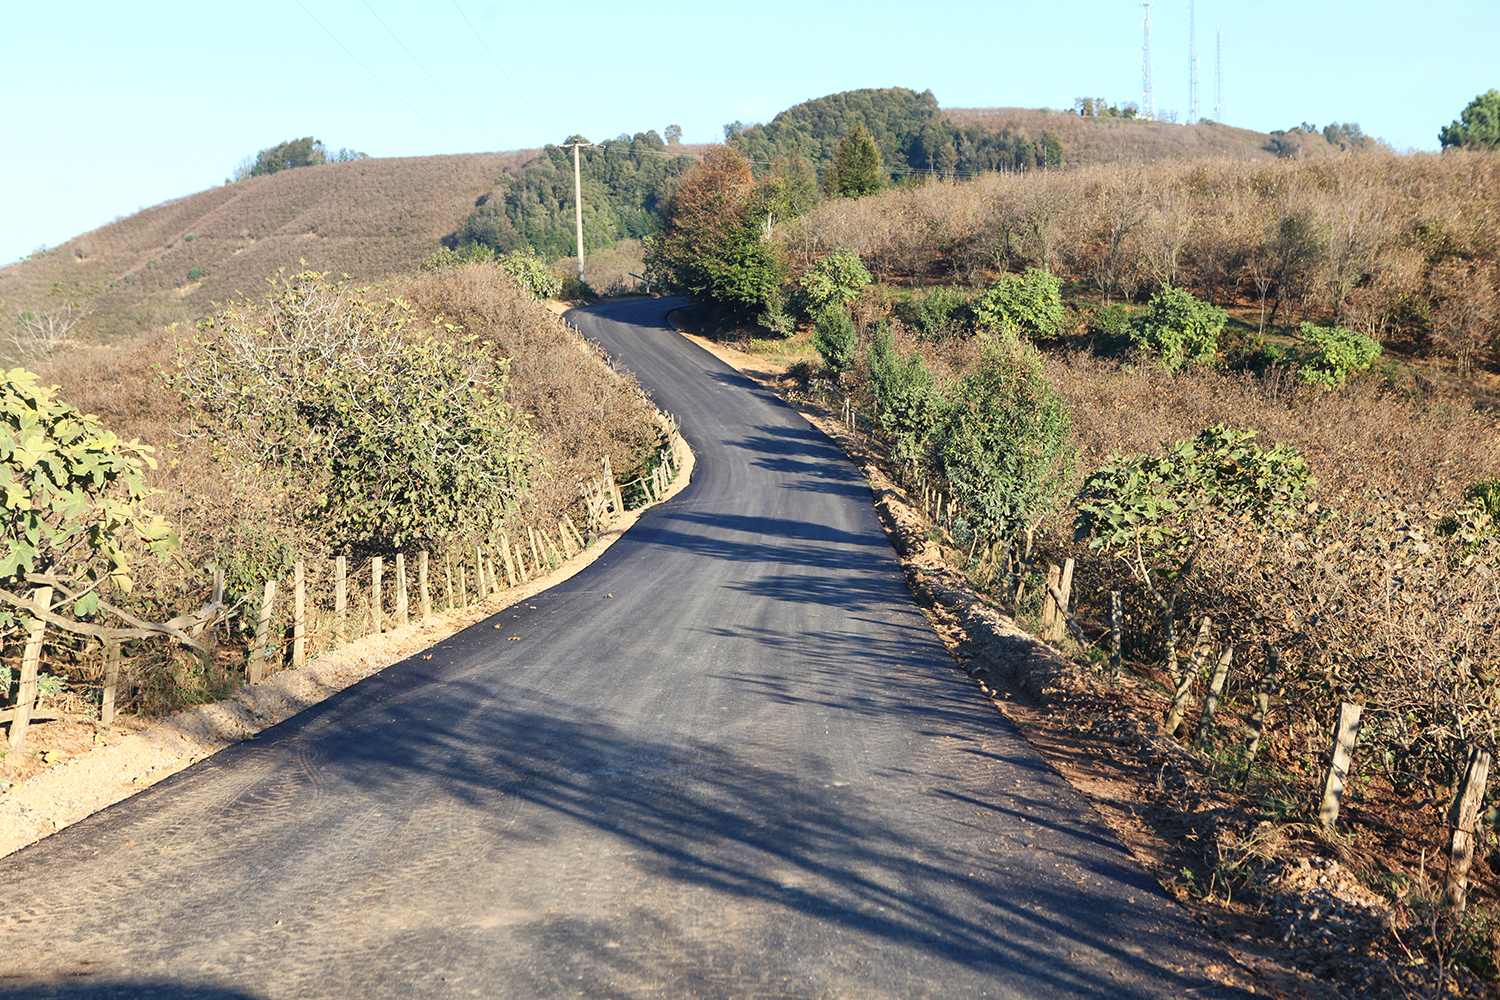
{"x": 1192, "y": 68}
{"x": 1219, "y": 75}
{"x": 1148, "y": 106}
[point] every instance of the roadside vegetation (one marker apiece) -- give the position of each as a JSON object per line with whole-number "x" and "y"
{"x": 316, "y": 420}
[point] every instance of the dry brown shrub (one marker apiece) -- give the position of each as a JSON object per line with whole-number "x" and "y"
{"x": 1348, "y": 239}
{"x": 1361, "y": 437}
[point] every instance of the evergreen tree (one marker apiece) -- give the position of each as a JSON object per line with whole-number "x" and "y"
{"x": 711, "y": 248}
{"x": 1478, "y": 126}
{"x": 856, "y": 168}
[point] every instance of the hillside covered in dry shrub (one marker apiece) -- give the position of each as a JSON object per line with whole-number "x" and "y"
{"x": 1403, "y": 248}
{"x": 371, "y": 219}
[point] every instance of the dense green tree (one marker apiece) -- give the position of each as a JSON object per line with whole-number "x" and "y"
{"x": 836, "y": 339}
{"x": 624, "y": 190}
{"x": 910, "y": 403}
{"x": 856, "y": 168}
{"x": 1478, "y": 126}
{"x": 1052, "y": 149}
{"x": 304, "y": 152}
{"x": 1030, "y": 304}
{"x": 1003, "y": 446}
{"x": 835, "y": 280}
{"x": 713, "y": 247}
{"x": 673, "y": 134}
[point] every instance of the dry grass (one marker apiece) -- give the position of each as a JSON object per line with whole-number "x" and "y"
{"x": 371, "y": 219}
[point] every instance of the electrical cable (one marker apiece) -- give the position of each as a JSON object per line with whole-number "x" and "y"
{"x": 545, "y": 124}
{"x": 424, "y": 69}
{"x": 378, "y": 80}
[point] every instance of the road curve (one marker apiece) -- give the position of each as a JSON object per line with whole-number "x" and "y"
{"x": 728, "y": 760}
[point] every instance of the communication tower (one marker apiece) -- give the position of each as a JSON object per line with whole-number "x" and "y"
{"x": 1148, "y": 105}
{"x": 1192, "y": 68}
{"x": 1219, "y": 75}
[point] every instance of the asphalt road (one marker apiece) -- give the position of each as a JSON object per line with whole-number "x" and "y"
{"x": 729, "y": 760}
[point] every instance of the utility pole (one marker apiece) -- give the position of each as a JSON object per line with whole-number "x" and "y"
{"x": 578, "y": 203}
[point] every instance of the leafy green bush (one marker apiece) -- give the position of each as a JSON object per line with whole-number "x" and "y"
{"x": 906, "y": 395}
{"x": 1110, "y": 326}
{"x": 1031, "y": 304}
{"x": 1003, "y": 444}
{"x": 836, "y": 279}
{"x": 777, "y": 318}
{"x": 1328, "y": 354}
{"x": 74, "y": 495}
{"x": 384, "y": 432}
{"x": 1155, "y": 511}
{"x": 449, "y": 257}
{"x": 194, "y": 273}
{"x": 936, "y": 313}
{"x": 1178, "y": 328}
{"x": 835, "y": 339}
{"x": 534, "y": 274}
{"x": 526, "y": 266}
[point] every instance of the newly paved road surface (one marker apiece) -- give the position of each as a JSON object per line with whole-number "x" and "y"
{"x": 751, "y": 772}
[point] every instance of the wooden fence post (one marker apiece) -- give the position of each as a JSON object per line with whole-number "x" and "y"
{"x": 536, "y": 551}
{"x": 111, "y": 682}
{"x": 257, "y": 667}
{"x": 520, "y": 561}
{"x": 510, "y": 564}
{"x": 1185, "y": 679}
{"x": 401, "y": 605}
{"x": 299, "y": 615}
{"x": 377, "y": 609}
{"x": 31, "y": 659}
{"x": 1269, "y": 682}
{"x": 424, "y": 595}
{"x": 463, "y": 587}
{"x": 1215, "y": 695}
{"x": 341, "y": 598}
{"x": 1461, "y": 818}
{"x": 1051, "y": 630}
{"x": 448, "y": 579}
{"x": 1116, "y": 628}
{"x": 1344, "y": 735}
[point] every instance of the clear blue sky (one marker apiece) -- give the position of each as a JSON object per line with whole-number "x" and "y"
{"x": 111, "y": 107}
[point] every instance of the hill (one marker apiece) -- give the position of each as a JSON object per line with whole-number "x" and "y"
{"x": 371, "y": 219}
{"x": 1107, "y": 139}
{"x": 375, "y": 218}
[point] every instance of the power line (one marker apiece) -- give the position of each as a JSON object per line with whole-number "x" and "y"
{"x": 424, "y": 69}
{"x": 378, "y": 80}
{"x": 545, "y": 124}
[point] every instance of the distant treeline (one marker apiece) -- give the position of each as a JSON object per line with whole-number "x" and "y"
{"x": 627, "y": 180}
{"x": 304, "y": 152}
